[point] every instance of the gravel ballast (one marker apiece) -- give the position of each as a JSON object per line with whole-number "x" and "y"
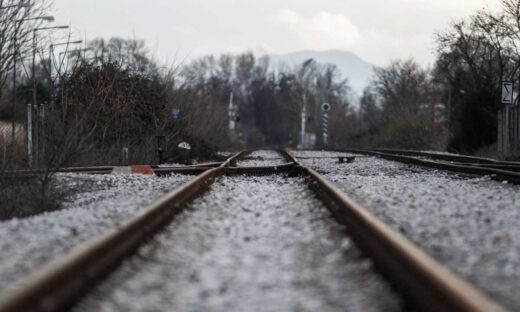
{"x": 98, "y": 203}
{"x": 262, "y": 158}
{"x": 248, "y": 244}
{"x": 470, "y": 224}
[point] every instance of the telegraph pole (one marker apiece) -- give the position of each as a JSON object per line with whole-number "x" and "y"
{"x": 303, "y": 119}
{"x": 231, "y": 114}
{"x": 13, "y": 137}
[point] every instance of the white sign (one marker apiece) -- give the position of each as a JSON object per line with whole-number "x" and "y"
{"x": 507, "y": 92}
{"x": 325, "y": 107}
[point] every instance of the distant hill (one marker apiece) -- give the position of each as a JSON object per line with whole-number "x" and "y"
{"x": 357, "y": 70}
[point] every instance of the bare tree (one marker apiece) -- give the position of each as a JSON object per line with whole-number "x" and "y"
{"x": 17, "y": 19}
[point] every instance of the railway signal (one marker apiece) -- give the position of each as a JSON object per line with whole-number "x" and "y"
{"x": 507, "y": 99}
{"x": 325, "y": 107}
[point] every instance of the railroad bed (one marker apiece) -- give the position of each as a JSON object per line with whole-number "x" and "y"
{"x": 468, "y": 223}
{"x": 249, "y": 244}
{"x": 285, "y": 240}
{"x": 101, "y": 203}
{"x": 262, "y": 158}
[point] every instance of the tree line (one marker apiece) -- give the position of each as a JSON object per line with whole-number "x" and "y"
{"x": 114, "y": 95}
{"x": 453, "y": 105}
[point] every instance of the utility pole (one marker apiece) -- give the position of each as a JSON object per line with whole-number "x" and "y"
{"x": 231, "y": 114}
{"x": 13, "y": 130}
{"x": 449, "y": 111}
{"x": 34, "y": 84}
{"x": 303, "y": 120}
{"x": 29, "y": 134}
{"x": 21, "y": 4}
{"x": 35, "y": 97}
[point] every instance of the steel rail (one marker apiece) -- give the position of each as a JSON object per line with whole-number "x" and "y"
{"x": 160, "y": 171}
{"x": 514, "y": 168}
{"x": 416, "y": 276}
{"x": 447, "y": 157}
{"x": 420, "y": 279}
{"x": 493, "y": 173}
{"x": 107, "y": 169}
{"x": 57, "y": 285}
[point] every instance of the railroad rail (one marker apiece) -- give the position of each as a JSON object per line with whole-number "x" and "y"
{"x": 159, "y": 171}
{"x": 497, "y": 170}
{"x": 422, "y": 281}
{"x": 447, "y": 157}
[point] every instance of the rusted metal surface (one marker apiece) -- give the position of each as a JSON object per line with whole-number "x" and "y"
{"x": 59, "y": 283}
{"x": 421, "y": 280}
{"x": 192, "y": 169}
{"x": 493, "y": 173}
{"x": 445, "y": 157}
{"x": 514, "y": 168}
{"x": 232, "y": 161}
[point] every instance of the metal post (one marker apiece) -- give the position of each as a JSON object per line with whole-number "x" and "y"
{"x": 124, "y": 156}
{"x": 51, "y": 83}
{"x": 231, "y": 114}
{"x": 33, "y": 70}
{"x": 161, "y": 148}
{"x": 13, "y": 130}
{"x": 500, "y": 132}
{"x": 506, "y": 133}
{"x": 302, "y": 132}
{"x": 29, "y": 134}
{"x": 325, "y": 128}
{"x": 36, "y": 135}
{"x": 42, "y": 129}
{"x": 50, "y": 62}
{"x": 449, "y": 111}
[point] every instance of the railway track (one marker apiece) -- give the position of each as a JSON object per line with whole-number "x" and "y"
{"x": 497, "y": 170}
{"x": 419, "y": 279}
{"x": 158, "y": 170}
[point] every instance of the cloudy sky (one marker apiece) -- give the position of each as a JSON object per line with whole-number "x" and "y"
{"x": 377, "y": 30}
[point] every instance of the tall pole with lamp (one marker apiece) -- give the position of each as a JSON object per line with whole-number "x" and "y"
{"x": 20, "y": 5}
{"x": 51, "y": 52}
{"x": 51, "y": 58}
{"x": 34, "y": 85}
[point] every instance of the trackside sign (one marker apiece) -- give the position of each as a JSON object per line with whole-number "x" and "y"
{"x": 507, "y": 92}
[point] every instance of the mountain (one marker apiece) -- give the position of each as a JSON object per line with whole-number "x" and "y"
{"x": 357, "y": 70}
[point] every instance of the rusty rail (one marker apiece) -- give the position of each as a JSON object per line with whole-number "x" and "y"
{"x": 416, "y": 276}
{"x": 494, "y": 171}
{"x": 192, "y": 169}
{"x": 58, "y": 284}
{"x": 437, "y": 156}
{"x": 419, "y": 278}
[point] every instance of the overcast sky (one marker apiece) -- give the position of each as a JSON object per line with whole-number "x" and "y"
{"x": 377, "y": 30}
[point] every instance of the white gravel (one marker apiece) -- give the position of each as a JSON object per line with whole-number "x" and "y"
{"x": 469, "y": 224}
{"x": 262, "y": 158}
{"x": 249, "y": 244}
{"x": 99, "y": 203}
